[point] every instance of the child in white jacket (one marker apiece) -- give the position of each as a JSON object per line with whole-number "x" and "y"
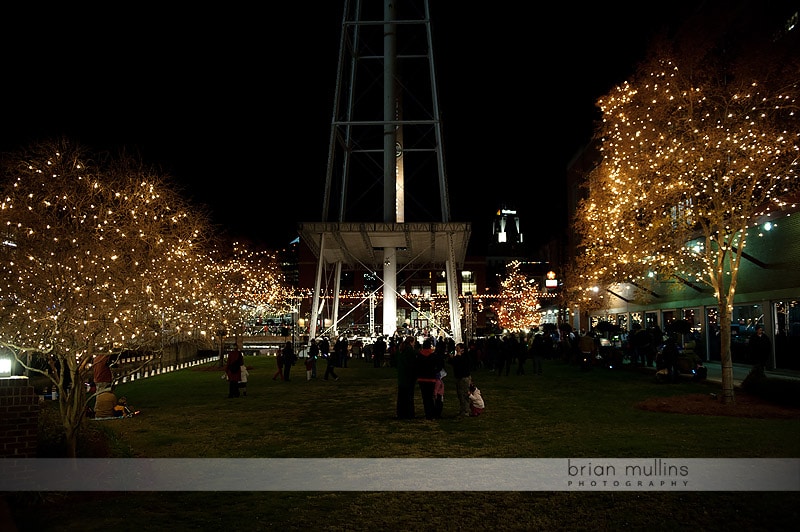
{"x": 243, "y": 381}
{"x": 476, "y": 404}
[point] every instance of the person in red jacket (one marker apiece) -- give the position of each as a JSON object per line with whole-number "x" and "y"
{"x": 428, "y": 363}
{"x": 101, "y": 372}
{"x": 233, "y": 369}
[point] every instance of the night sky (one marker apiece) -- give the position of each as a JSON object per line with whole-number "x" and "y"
{"x": 235, "y": 103}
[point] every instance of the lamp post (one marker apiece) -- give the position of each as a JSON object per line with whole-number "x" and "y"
{"x": 5, "y": 365}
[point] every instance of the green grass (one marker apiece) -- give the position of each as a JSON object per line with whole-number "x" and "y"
{"x": 563, "y": 413}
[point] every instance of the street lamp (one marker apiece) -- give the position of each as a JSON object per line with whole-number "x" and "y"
{"x": 5, "y": 365}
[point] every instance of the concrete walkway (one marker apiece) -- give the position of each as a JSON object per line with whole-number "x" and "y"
{"x": 740, "y": 371}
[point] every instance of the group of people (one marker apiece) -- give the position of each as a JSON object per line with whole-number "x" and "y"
{"x": 424, "y": 368}
{"x": 502, "y": 354}
{"x": 106, "y": 403}
{"x": 285, "y": 358}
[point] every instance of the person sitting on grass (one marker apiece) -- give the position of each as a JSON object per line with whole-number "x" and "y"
{"x": 104, "y": 404}
{"x": 122, "y": 409}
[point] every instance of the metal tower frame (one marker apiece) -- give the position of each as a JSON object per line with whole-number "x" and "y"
{"x": 385, "y": 149}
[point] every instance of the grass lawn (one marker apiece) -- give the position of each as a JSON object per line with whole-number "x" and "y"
{"x": 563, "y": 413}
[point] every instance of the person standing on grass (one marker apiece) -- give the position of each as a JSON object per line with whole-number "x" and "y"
{"x": 476, "y": 403}
{"x": 504, "y": 355}
{"x": 668, "y": 359}
{"x": 279, "y": 361}
{"x": 289, "y": 358}
{"x": 378, "y": 352}
{"x": 759, "y": 349}
{"x": 341, "y": 348}
{"x": 427, "y": 365}
{"x": 101, "y": 372}
{"x": 537, "y": 348}
{"x": 406, "y": 355}
{"x": 438, "y": 395}
{"x": 243, "y": 381}
{"x": 461, "y": 373}
{"x": 324, "y": 347}
{"x": 233, "y": 369}
{"x": 309, "y": 367}
{"x": 313, "y": 355}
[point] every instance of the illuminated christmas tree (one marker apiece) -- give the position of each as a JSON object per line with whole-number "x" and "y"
{"x": 517, "y": 305}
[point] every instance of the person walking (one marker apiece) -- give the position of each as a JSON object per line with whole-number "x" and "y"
{"x": 233, "y": 370}
{"x": 463, "y": 377}
{"x": 289, "y": 358}
{"x": 279, "y": 361}
{"x": 330, "y": 369}
{"x": 406, "y": 379}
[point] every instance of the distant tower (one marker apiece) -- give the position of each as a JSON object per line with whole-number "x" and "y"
{"x": 385, "y": 154}
{"x": 506, "y": 229}
{"x": 507, "y": 244}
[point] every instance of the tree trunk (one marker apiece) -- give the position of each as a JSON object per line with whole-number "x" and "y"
{"x": 73, "y": 407}
{"x": 725, "y": 352}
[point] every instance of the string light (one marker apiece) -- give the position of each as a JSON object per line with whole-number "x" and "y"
{"x": 682, "y": 178}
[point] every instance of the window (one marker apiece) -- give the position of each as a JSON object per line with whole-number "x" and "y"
{"x": 421, "y": 290}
{"x": 468, "y": 282}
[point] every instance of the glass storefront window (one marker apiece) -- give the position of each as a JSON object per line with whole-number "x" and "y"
{"x": 744, "y": 319}
{"x": 667, "y": 317}
{"x": 696, "y": 336}
{"x": 787, "y": 334}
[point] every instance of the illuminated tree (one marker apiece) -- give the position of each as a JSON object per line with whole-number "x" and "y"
{"x": 517, "y": 305}
{"x": 250, "y": 285}
{"x": 697, "y": 147}
{"x": 97, "y": 256}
